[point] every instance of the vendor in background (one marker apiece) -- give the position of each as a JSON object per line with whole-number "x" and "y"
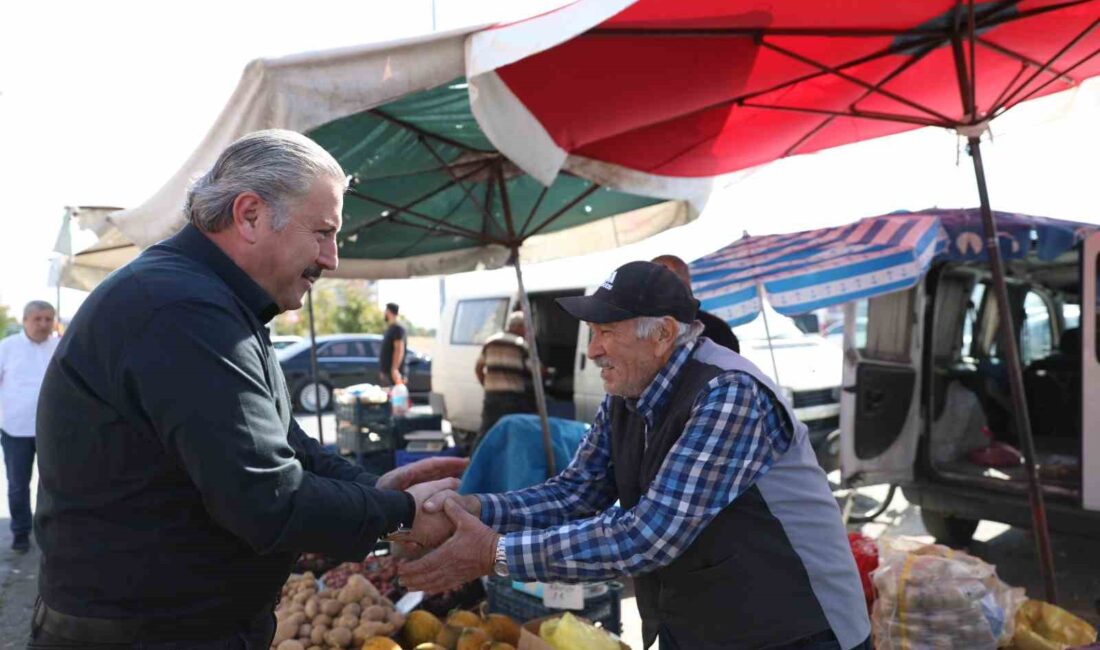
{"x": 724, "y": 518}
{"x": 504, "y": 370}
{"x": 714, "y": 328}
{"x": 391, "y": 361}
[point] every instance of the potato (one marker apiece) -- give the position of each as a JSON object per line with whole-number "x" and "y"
{"x": 297, "y": 618}
{"x": 305, "y": 630}
{"x": 317, "y": 634}
{"x": 349, "y": 622}
{"x": 373, "y": 628}
{"x": 385, "y": 602}
{"x": 322, "y": 619}
{"x": 367, "y": 602}
{"x": 375, "y": 613}
{"x": 315, "y": 647}
{"x": 339, "y": 636}
{"x": 284, "y": 631}
{"x": 291, "y": 644}
{"x": 296, "y": 607}
{"x": 385, "y": 629}
{"x": 327, "y": 594}
{"x": 301, "y": 596}
{"x": 331, "y": 607}
{"x": 351, "y": 609}
{"x": 312, "y": 607}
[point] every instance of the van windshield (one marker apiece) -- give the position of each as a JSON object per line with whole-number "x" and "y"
{"x": 779, "y": 326}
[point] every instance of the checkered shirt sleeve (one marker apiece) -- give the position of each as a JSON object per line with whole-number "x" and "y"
{"x": 735, "y": 433}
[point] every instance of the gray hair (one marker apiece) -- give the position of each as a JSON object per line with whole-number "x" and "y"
{"x": 515, "y": 321}
{"x": 37, "y": 305}
{"x": 276, "y": 164}
{"x": 645, "y": 326}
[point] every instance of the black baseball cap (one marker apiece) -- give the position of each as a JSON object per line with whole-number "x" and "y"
{"x": 635, "y": 289}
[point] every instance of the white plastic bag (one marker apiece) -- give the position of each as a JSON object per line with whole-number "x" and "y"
{"x": 933, "y": 597}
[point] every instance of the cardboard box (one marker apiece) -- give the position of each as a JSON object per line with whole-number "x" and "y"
{"x": 529, "y": 638}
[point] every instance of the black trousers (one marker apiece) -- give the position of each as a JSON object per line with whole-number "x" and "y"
{"x": 499, "y": 404}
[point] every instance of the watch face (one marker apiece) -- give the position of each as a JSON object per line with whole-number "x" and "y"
{"x": 501, "y": 569}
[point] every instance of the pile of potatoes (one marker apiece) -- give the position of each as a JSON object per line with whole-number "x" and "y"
{"x": 333, "y": 618}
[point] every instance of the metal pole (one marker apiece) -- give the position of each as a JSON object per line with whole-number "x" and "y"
{"x": 313, "y": 367}
{"x": 1015, "y": 378}
{"x": 536, "y": 367}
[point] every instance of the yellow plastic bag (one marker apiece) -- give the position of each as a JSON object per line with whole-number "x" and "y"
{"x": 571, "y": 633}
{"x": 1042, "y": 626}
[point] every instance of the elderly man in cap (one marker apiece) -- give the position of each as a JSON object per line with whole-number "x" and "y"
{"x": 724, "y": 518}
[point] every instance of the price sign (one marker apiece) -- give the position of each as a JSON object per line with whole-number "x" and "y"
{"x": 558, "y": 595}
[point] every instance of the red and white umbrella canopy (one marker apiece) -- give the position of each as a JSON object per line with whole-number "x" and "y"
{"x": 660, "y": 97}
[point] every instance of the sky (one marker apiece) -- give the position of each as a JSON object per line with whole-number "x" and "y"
{"x": 101, "y": 102}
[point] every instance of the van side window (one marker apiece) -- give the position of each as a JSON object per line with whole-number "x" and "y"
{"x": 477, "y": 320}
{"x": 889, "y": 323}
{"x": 971, "y": 319}
{"x": 1037, "y": 333}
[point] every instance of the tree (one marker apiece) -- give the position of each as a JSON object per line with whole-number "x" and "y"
{"x": 339, "y": 306}
{"x": 8, "y": 324}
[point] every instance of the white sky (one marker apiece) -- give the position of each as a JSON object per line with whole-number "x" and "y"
{"x": 100, "y": 102}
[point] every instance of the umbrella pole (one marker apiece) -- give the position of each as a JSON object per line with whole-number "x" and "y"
{"x": 1015, "y": 378}
{"x": 536, "y": 367}
{"x": 313, "y": 367}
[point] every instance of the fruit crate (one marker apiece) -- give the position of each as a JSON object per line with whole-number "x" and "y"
{"x": 603, "y": 608}
{"x": 364, "y": 427}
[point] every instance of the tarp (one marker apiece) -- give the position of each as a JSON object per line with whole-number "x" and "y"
{"x": 664, "y": 97}
{"x": 809, "y": 270}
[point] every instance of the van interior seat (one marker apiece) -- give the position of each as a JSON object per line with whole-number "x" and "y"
{"x": 1053, "y": 386}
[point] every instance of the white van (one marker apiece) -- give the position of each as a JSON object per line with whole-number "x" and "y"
{"x": 809, "y": 366}
{"x": 925, "y": 377}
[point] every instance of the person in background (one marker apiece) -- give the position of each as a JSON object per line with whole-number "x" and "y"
{"x": 176, "y": 488}
{"x": 23, "y": 361}
{"x": 504, "y": 370}
{"x": 714, "y": 328}
{"x": 391, "y": 361}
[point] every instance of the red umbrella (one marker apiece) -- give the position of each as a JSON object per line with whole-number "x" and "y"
{"x": 662, "y": 97}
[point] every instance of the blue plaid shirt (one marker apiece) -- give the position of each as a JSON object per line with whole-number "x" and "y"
{"x": 570, "y": 528}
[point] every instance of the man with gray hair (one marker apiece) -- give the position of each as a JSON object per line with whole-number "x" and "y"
{"x": 23, "y": 360}
{"x": 724, "y": 518}
{"x": 504, "y": 371}
{"x": 176, "y": 488}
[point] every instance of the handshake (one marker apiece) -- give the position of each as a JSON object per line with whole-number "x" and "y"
{"x": 450, "y": 543}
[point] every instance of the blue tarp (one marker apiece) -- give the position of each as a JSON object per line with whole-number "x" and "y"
{"x": 511, "y": 456}
{"x": 804, "y": 271}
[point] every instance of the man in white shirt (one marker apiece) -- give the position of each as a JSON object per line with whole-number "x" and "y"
{"x": 23, "y": 360}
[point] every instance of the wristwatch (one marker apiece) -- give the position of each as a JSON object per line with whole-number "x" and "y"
{"x": 398, "y": 535}
{"x": 500, "y": 562}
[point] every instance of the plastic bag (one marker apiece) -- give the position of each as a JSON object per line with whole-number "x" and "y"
{"x": 571, "y": 633}
{"x": 930, "y": 596}
{"x": 1042, "y": 626}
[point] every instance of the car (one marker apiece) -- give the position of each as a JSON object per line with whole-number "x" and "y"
{"x": 280, "y": 341}
{"x": 345, "y": 360}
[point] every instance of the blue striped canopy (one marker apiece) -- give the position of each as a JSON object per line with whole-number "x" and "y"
{"x": 805, "y": 271}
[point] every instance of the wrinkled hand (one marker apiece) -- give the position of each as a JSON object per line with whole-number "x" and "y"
{"x": 468, "y": 554}
{"x": 429, "y": 530}
{"x": 429, "y": 469}
{"x": 469, "y": 502}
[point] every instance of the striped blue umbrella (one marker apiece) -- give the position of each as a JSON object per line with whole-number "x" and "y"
{"x": 805, "y": 271}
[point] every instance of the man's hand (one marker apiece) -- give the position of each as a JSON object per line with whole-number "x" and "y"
{"x": 429, "y": 469}
{"x": 470, "y": 553}
{"x": 469, "y": 502}
{"x": 429, "y": 530}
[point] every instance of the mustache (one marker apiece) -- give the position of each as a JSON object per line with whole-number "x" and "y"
{"x": 313, "y": 272}
{"x": 601, "y": 362}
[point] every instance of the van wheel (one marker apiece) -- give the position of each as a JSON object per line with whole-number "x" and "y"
{"x": 307, "y": 397}
{"x": 947, "y": 529}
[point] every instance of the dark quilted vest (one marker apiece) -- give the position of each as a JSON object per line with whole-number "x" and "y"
{"x": 740, "y": 584}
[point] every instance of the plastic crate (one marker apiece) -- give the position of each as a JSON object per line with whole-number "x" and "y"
{"x": 361, "y": 413}
{"x": 604, "y": 609}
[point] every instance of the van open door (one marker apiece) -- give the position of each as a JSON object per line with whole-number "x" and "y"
{"x": 1090, "y": 372}
{"x": 880, "y": 401}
